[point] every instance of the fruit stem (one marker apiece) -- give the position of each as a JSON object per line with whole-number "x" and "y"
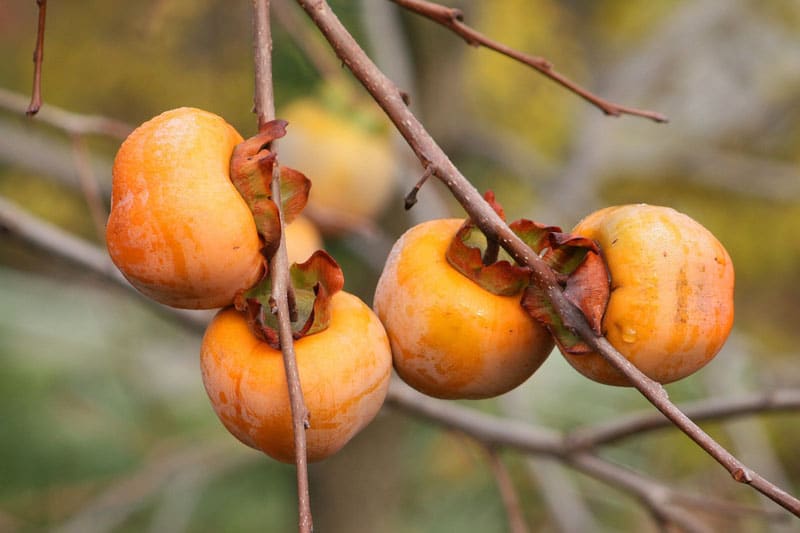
{"x": 492, "y": 251}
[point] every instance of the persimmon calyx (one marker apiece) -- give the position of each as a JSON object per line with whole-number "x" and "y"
{"x": 582, "y": 274}
{"x": 576, "y": 260}
{"x": 478, "y": 258}
{"x": 251, "y": 171}
{"x": 314, "y": 283}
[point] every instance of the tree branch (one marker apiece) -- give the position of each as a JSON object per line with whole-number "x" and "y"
{"x": 662, "y": 501}
{"x": 516, "y": 519}
{"x": 38, "y": 58}
{"x": 279, "y": 266}
{"x": 452, "y": 18}
{"x": 704, "y": 410}
{"x": 73, "y": 123}
{"x": 428, "y": 152}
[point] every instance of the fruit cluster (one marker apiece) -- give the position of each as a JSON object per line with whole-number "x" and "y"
{"x": 192, "y": 224}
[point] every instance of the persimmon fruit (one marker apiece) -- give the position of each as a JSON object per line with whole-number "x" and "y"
{"x": 671, "y": 303}
{"x": 450, "y": 337}
{"x": 352, "y": 167}
{"x": 344, "y": 374}
{"x": 179, "y": 230}
{"x": 302, "y": 239}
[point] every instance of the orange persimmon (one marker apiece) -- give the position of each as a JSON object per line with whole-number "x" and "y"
{"x": 344, "y": 374}
{"x": 450, "y": 337}
{"x": 178, "y": 230}
{"x": 302, "y": 239}
{"x": 352, "y": 168}
{"x": 671, "y": 304}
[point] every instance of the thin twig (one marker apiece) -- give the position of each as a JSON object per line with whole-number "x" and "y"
{"x": 452, "y": 18}
{"x": 279, "y": 266}
{"x": 73, "y": 123}
{"x": 38, "y": 58}
{"x": 90, "y": 186}
{"x": 516, "y": 520}
{"x": 533, "y": 440}
{"x": 387, "y": 95}
{"x": 711, "y": 409}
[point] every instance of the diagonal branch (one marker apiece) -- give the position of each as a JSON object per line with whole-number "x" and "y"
{"x": 452, "y": 19}
{"x": 387, "y": 95}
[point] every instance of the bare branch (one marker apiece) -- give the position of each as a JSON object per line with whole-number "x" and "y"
{"x": 704, "y": 410}
{"x": 74, "y": 123}
{"x": 452, "y": 18}
{"x": 663, "y": 501}
{"x": 279, "y": 266}
{"x": 90, "y": 186}
{"x": 38, "y": 58}
{"x": 516, "y": 519}
{"x": 52, "y": 240}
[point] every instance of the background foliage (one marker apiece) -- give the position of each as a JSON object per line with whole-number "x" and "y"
{"x": 105, "y": 425}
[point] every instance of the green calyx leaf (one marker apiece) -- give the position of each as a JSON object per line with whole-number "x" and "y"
{"x": 314, "y": 283}
{"x": 251, "y": 170}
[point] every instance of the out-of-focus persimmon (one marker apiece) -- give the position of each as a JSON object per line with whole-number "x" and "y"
{"x": 344, "y": 373}
{"x": 302, "y": 239}
{"x": 351, "y": 167}
{"x": 671, "y": 304}
{"x": 178, "y": 230}
{"x": 450, "y": 337}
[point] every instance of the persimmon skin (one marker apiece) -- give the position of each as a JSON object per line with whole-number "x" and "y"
{"x": 351, "y": 169}
{"x": 451, "y": 338}
{"x": 344, "y": 374}
{"x": 302, "y": 240}
{"x": 178, "y": 229}
{"x": 671, "y": 304}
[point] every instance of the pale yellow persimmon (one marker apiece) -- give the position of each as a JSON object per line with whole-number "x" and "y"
{"x": 178, "y": 230}
{"x": 352, "y": 170}
{"x": 451, "y": 338}
{"x": 302, "y": 239}
{"x": 671, "y": 304}
{"x": 344, "y": 374}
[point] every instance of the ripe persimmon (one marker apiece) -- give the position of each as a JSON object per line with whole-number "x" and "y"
{"x": 450, "y": 337}
{"x": 352, "y": 167}
{"x": 302, "y": 239}
{"x": 344, "y": 374}
{"x": 179, "y": 230}
{"x": 671, "y": 304}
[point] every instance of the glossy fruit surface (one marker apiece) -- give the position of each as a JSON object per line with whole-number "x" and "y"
{"x": 352, "y": 170}
{"x": 344, "y": 372}
{"x": 450, "y": 337}
{"x": 671, "y": 304}
{"x": 178, "y": 230}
